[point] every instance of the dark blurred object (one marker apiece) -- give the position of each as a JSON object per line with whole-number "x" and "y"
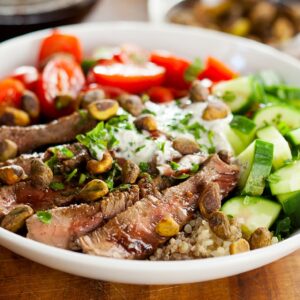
{"x": 21, "y": 16}
{"x": 272, "y": 22}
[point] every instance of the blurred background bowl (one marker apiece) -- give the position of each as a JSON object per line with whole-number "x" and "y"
{"x": 271, "y": 22}
{"x": 21, "y": 16}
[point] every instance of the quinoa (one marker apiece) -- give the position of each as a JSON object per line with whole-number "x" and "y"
{"x": 197, "y": 240}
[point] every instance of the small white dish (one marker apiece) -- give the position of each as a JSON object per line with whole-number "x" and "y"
{"x": 244, "y": 56}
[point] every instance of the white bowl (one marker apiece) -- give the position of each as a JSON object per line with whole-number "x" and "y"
{"x": 241, "y": 54}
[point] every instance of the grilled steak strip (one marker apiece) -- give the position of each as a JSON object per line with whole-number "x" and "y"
{"x": 132, "y": 234}
{"x": 69, "y": 223}
{"x": 59, "y": 131}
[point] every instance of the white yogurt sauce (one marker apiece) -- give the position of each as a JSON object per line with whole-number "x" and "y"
{"x": 140, "y": 147}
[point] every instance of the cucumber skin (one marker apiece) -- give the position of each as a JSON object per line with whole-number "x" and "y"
{"x": 260, "y": 169}
{"x": 258, "y": 205}
{"x": 291, "y": 206}
{"x": 291, "y": 118}
{"x": 294, "y": 137}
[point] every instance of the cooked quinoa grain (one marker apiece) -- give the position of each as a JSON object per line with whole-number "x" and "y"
{"x": 196, "y": 240}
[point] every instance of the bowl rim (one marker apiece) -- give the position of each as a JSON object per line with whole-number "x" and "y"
{"x": 255, "y": 257}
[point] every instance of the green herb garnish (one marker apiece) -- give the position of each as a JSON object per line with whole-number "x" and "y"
{"x": 283, "y": 228}
{"x": 44, "y": 216}
{"x": 174, "y": 165}
{"x": 195, "y": 168}
{"x": 57, "y": 186}
{"x": 144, "y": 166}
{"x": 88, "y": 64}
{"x": 71, "y": 175}
{"x": 192, "y": 72}
{"x": 138, "y": 149}
{"x": 82, "y": 178}
{"x": 183, "y": 176}
{"x": 161, "y": 146}
{"x": 229, "y": 96}
{"x": 148, "y": 111}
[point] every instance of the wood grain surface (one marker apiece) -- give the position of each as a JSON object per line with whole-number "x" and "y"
{"x": 25, "y": 280}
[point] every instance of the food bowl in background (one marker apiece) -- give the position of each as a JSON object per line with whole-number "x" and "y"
{"x": 272, "y": 22}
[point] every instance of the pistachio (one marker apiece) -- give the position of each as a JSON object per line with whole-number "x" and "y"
{"x": 198, "y": 92}
{"x": 41, "y": 175}
{"x": 30, "y": 104}
{"x": 12, "y": 174}
{"x": 185, "y": 145}
{"x": 260, "y": 238}
{"x": 63, "y": 101}
{"x": 98, "y": 167}
{"x": 130, "y": 172}
{"x": 215, "y": 111}
{"x": 167, "y": 227}
{"x": 131, "y": 103}
{"x": 220, "y": 225}
{"x": 103, "y": 110}
{"x": 146, "y": 122}
{"x": 93, "y": 190}
{"x": 239, "y": 246}
{"x": 88, "y": 97}
{"x": 8, "y": 150}
{"x": 16, "y": 218}
{"x": 210, "y": 200}
{"x": 14, "y": 117}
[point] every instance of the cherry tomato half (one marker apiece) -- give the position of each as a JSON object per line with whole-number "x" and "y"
{"x": 216, "y": 71}
{"x": 11, "y": 91}
{"x": 28, "y": 75}
{"x": 61, "y": 79}
{"x": 130, "y": 78}
{"x": 175, "y": 68}
{"x": 60, "y": 43}
{"x": 159, "y": 94}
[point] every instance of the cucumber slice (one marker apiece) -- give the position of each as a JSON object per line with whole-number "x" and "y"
{"x": 269, "y": 78}
{"x": 286, "y": 179}
{"x": 291, "y": 205}
{"x": 239, "y": 93}
{"x": 294, "y": 136}
{"x": 284, "y": 92}
{"x": 256, "y": 165}
{"x": 252, "y": 212}
{"x": 234, "y": 140}
{"x": 244, "y": 128}
{"x": 282, "y": 151}
{"x": 275, "y": 114}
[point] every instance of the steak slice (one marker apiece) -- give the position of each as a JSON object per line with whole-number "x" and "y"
{"x": 59, "y": 131}
{"x": 69, "y": 223}
{"x": 132, "y": 234}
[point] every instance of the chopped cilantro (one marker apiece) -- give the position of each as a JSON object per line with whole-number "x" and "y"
{"x": 124, "y": 187}
{"x": 144, "y": 166}
{"x": 44, "y": 216}
{"x": 183, "y": 176}
{"x": 138, "y": 149}
{"x": 57, "y": 186}
{"x": 192, "y": 72}
{"x": 194, "y": 168}
{"x": 67, "y": 153}
{"x": 174, "y": 165}
{"x": 210, "y": 136}
{"x": 82, "y": 178}
{"x": 52, "y": 161}
{"x": 161, "y": 146}
{"x": 148, "y": 111}
{"x": 110, "y": 181}
{"x": 71, "y": 175}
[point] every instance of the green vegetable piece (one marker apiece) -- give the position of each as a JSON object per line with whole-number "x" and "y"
{"x": 44, "y": 216}
{"x": 57, "y": 186}
{"x": 192, "y": 72}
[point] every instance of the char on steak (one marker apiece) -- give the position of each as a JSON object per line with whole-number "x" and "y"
{"x": 69, "y": 223}
{"x": 59, "y": 131}
{"x": 132, "y": 234}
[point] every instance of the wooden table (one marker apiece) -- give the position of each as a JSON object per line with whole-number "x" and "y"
{"x": 24, "y": 280}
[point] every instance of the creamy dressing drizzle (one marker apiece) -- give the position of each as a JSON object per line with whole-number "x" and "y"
{"x": 140, "y": 147}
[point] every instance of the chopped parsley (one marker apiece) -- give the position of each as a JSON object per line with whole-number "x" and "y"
{"x": 124, "y": 187}
{"x": 67, "y": 153}
{"x": 174, "y": 165}
{"x": 161, "y": 146}
{"x": 144, "y": 166}
{"x": 44, "y": 216}
{"x": 192, "y": 72}
{"x": 194, "y": 168}
{"x": 82, "y": 178}
{"x": 57, "y": 186}
{"x": 110, "y": 181}
{"x": 183, "y": 176}
{"x": 283, "y": 228}
{"x": 148, "y": 111}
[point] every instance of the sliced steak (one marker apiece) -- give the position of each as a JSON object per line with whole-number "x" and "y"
{"x": 59, "y": 131}
{"x": 69, "y": 223}
{"x": 132, "y": 234}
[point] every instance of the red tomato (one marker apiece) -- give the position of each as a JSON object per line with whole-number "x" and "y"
{"x": 217, "y": 71}
{"x": 130, "y": 78}
{"x": 60, "y": 77}
{"x": 11, "y": 91}
{"x": 175, "y": 68}
{"x": 60, "y": 43}
{"x": 28, "y": 75}
{"x": 159, "y": 94}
